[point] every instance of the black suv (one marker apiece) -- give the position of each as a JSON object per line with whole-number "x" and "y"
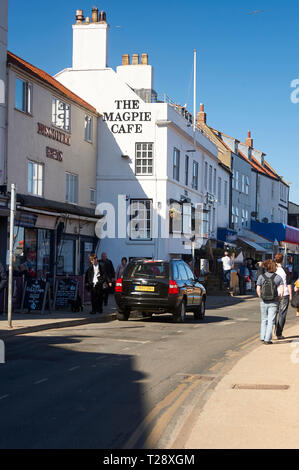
{"x": 150, "y": 286}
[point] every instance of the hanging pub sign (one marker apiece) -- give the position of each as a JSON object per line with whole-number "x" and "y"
{"x": 35, "y": 295}
{"x": 128, "y": 118}
{"x": 65, "y": 292}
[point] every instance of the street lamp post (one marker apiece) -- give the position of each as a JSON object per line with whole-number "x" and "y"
{"x": 11, "y": 242}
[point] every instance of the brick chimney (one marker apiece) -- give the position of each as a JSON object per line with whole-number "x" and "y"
{"x": 249, "y": 140}
{"x": 201, "y": 116}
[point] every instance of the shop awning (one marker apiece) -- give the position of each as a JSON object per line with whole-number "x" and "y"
{"x": 274, "y": 231}
{"x": 55, "y": 206}
{"x": 253, "y": 245}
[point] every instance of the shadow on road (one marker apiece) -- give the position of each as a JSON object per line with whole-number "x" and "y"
{"x": 59, "y": 393}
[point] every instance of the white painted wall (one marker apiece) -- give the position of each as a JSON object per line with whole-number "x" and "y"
{"x": 111, "y": 93}
{"x": 3, "y": 51}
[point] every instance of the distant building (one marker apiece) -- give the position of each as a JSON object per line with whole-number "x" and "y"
{"x": 293, "y": 217}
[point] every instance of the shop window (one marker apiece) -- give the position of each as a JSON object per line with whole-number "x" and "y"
{"x": 23, "y": 96}
{"x": 61, "y": 114}
{"x": 66, "y": 257}
{"x": 18, "y": 248}
{"x": 35, "y": 178}
{"x": 30, "y": 250}
{"x": 43, "y": 253}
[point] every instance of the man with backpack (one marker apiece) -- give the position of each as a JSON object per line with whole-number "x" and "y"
{"x": 284, "y": 273}
{"x": 270, "y": 291}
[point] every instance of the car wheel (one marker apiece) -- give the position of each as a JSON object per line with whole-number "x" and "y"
{"x": 123, "y": 315}
{"x": 180, "y": 314}
{"x": 202, "y": 310}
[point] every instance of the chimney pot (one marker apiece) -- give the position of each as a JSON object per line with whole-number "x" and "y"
{"x": 95, "y": 15}
{"x": 202, "y": 116}
{"x": 135, "y": 59}
{"x": 126, "y": 59}
{"x": 144, "y": 59}
{"x": 87, "y": 20}
{"x": 79, "y": 16}
{"x": 102, "y": 17}
{"x": 249, "y": 140}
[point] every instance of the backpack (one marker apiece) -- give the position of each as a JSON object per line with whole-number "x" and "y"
{"x": 268, "y": 290}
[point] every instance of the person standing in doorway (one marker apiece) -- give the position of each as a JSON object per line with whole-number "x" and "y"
{"x": 3, "y": 279}
{"x": 95, "y": 278}
{"x": 111, "y": 274}
{"x": 287, "y": 295}
{"x": 227, "y": 264}
{"x": 270, "y": 291}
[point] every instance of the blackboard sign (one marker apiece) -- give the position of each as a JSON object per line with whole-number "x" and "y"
{"x": 66, "y": 290}
{"x": 35, "y": 295}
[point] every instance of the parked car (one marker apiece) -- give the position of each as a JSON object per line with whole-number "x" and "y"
{"x": 151, "y": 286}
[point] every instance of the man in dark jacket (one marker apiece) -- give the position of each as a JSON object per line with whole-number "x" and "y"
{"x": 95, "y": 279}
{"x": 111, "y": 274}
{"x": 3, "y": 279}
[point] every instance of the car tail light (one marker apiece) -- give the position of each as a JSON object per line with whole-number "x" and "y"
{"x": 173, "y": 288}
{"x": 119, "y": 285}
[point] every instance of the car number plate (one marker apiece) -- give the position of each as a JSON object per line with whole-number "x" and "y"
{"x": 145, "y": 288}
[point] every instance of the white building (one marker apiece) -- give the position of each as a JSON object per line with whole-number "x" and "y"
{"x": 148, "y": 156}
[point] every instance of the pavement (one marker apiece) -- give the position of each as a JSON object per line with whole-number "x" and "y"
{"x": 23, "y": 323}
{"x": 254, "y": 405}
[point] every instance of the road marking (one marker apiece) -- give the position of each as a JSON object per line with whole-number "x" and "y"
{"x": 241, "y": 319}
{"x": 74, "y": 368}
{"x": 4, "y": 396}
{"x": 155, "y": 411}
{"x": 225, "y": 323}
{"x": 40, "y": 381}
{"x": 163, "y": 421}
{"x": 132, "y": 341}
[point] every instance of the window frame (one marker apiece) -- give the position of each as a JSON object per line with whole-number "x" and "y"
{"x": 89, "y": 120}
{"x": 68, "y": 190}
{"x": 39, "y": 166}
{"x": 150, "y": 219}
{"x": 176, "y": 164}
{"x": 26, "y": 96}
{"x": 140, "y": 157}
{"x": 67, "y": 108}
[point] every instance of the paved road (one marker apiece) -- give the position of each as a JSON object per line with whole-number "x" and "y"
{"x": 120, "y": 384}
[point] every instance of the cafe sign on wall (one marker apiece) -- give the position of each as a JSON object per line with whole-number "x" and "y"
{"x": 127, "y": 118}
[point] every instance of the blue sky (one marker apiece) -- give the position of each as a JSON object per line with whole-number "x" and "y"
{"x": 247, "y": 57}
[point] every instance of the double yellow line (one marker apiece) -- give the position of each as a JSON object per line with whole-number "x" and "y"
{"x": 168, "y": 406}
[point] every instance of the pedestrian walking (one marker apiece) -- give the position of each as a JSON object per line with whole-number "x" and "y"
{"x": 95, "y": 279}
{"x": 270, "y": 291}
{"x": 111, "y": 274}
{"x": 3, "y": 279}
{"x": 243, "y": 273}
{"x": 287, "y": 295}
{"x": 227, "y": 265}
{"x": 121, "y": 267}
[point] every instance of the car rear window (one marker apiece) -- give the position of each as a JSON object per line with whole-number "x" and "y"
{"x": 148, "y": 270}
